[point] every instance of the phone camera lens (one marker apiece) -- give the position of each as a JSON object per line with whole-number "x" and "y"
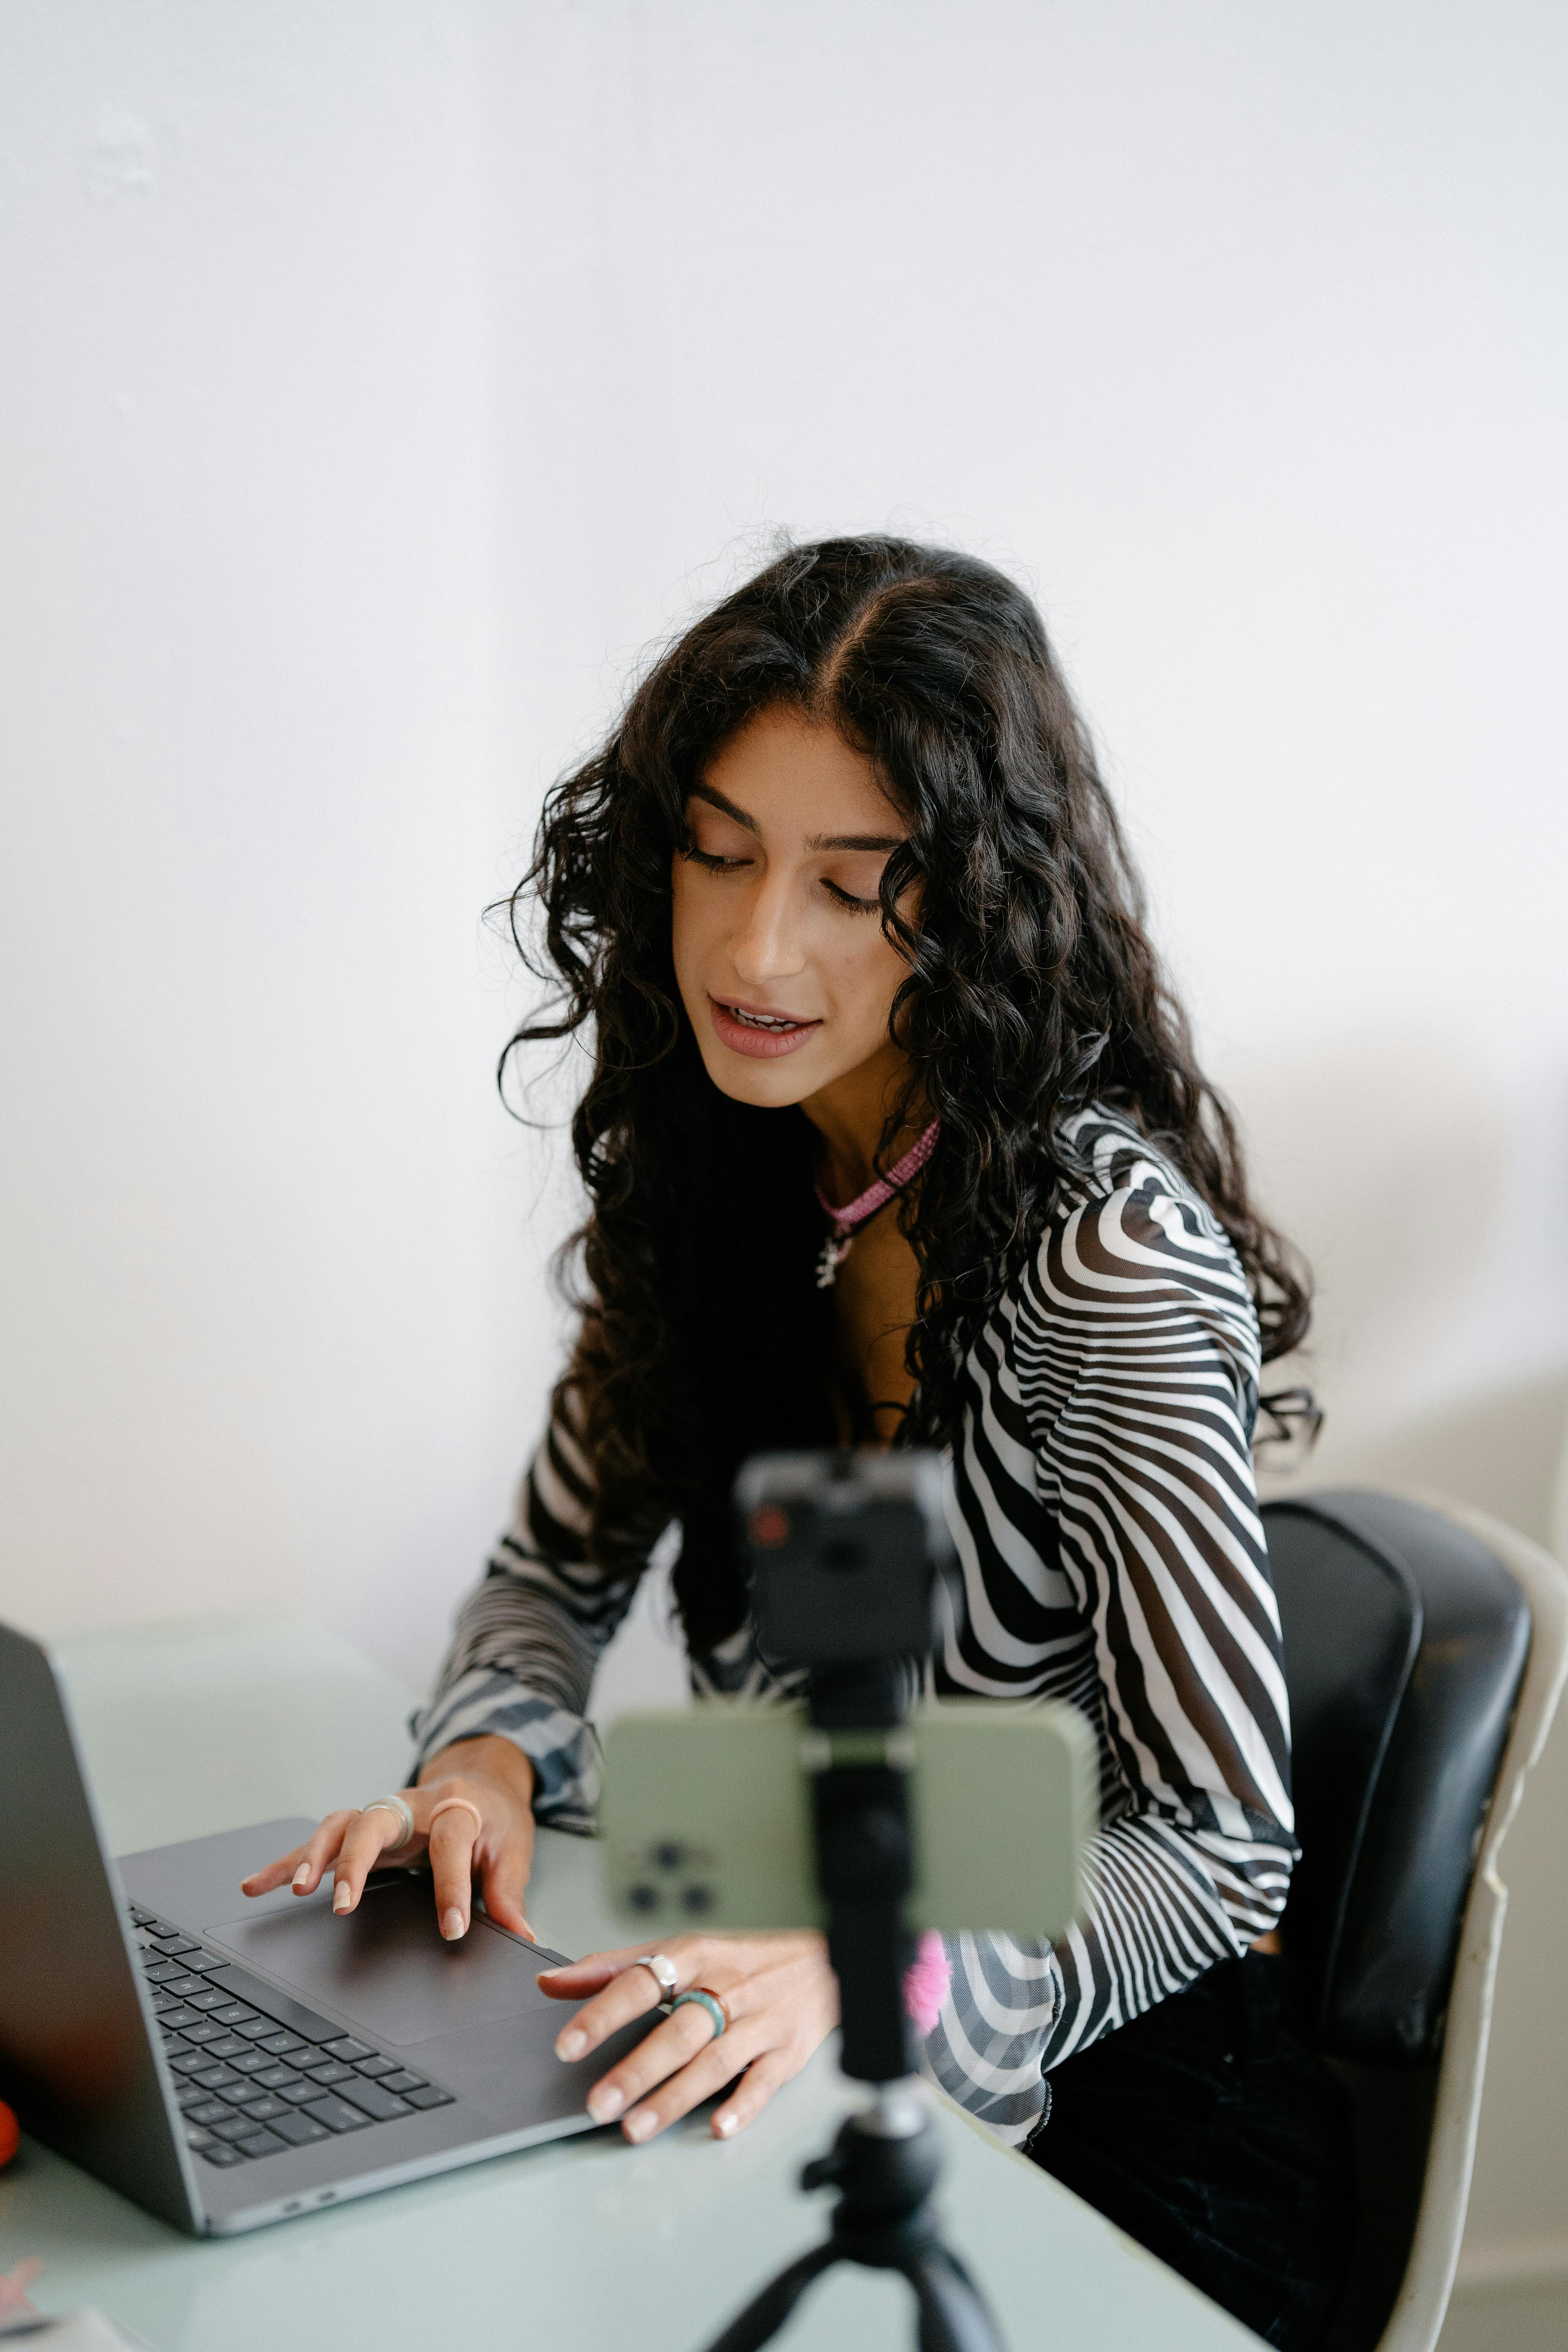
{"x": 698, "y": 1898}
{"x": 669, "y": 1857}
{"x": 643, "y": 1898}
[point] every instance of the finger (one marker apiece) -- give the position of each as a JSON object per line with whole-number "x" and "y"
{"x": 305, "y": 1865}
{"x": 611, "y": 1963}
{"x": 366, "y": 1838}
{"x": 724, "y": 2056}
{"x": 660, "y": 2054}
{"x": 630, "y": 1993}
{"x": 577, "y": 1979}
{"x": 273, "y": 1873}
{"x": 452, "y": 1841}
{"x": 762, "y": 2078}
{"x": 504, "y": 1880}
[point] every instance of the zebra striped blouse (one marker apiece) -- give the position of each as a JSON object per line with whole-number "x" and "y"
{"x": 1102, "y": 1502}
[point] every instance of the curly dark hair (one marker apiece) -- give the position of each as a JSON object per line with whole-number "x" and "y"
{"x": 1032, "y": 991}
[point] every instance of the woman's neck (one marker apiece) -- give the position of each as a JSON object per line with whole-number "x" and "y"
{"x": 849, "y": 1117}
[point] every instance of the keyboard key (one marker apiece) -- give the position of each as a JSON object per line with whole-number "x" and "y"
{"x": 298, "y": 2130}
{"x": 429, "y": 2097}
{"x": 234, "y": 2012}
{"x": 233, "y": 2127}
{"x": 183, "y": 1985}
{"x": 334, "y": 2071}
{"x": 178, "y": 1948}
{"x": 258, "y": 2029}
{"x": 239, "y": 2093}
{"x": 217, "y": 2078}
{"x": 197, "y": 2137}
{"x": 142, "y": 1918}
{"x": 211, "y": 2111}
{"x": 230, "y": 2048}
{"x": 402, "y": 2080}
{"x": 201, "y": 2031}
{"x": 220, "y": 2155}
{"x": 281, "y": 2007}
{"x": 186, "y": 2062}
{"x": 372, "y": 2069}
{"x": 348, "y": 2050}
{"x": 254, "y": 2062}
{"x": 208, "y": 2002}
{"x": 262, "y": 2143}
{"x": 207, "y": 1964}
{"x": 160, "y": 1971}
{"x": 375, "y": 2099}
{"x": 177, "y": 2017}
{"x": 263, "y": 2110}
{"x": 161, "y": 1927}
{"x": 298, "y": 2093}
{"x": 336, "y": 2114}
{"x": 275, "y": 2077}
{"x": 280, "y": 2046}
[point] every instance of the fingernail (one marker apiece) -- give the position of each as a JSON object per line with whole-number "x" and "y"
{"x": 571, "y": 2044}
{"x": 640, "y": 2125}
{"x": 452, "y": 1924}
{"x": 301, "y": 1878}
{"x": 342, "y": 1897}
{"x": 606, "y": 2103}
{"x": 724, "y": 2125}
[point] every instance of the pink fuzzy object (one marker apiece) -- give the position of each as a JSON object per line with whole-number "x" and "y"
{"x": 926, "y": 1981}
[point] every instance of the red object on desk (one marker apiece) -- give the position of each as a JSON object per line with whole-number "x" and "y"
{"x": 9, "y": 2135}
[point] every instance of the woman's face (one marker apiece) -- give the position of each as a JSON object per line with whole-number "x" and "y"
{"x": 783, "y": 966}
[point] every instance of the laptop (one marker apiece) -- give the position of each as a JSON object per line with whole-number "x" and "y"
{"x": 228, "y": 2064}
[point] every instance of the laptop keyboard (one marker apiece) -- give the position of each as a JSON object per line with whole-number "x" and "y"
{"x": 259, "y": 2072}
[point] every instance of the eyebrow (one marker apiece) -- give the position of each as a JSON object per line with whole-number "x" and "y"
{"x": 819, "y": 841}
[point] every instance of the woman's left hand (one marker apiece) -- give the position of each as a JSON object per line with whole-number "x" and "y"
{"x": 783, "y": 2001}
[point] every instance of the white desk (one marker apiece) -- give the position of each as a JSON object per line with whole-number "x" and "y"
{"x": 579, "y": 2246}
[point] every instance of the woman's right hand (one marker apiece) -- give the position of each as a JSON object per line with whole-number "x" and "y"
{"x": 494, "y": 1781}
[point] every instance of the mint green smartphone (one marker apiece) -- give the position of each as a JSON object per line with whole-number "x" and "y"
{"x": 706, "y": 1816}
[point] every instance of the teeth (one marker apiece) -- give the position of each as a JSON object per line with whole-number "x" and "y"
{"x": 759, "y": 1020}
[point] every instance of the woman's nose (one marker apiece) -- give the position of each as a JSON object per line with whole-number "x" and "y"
{"x": 769, "y": 947}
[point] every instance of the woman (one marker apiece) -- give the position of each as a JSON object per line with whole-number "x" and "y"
{"x": 841, "y": 897}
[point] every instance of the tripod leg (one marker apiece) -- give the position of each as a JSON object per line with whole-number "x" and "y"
{"x": 767, "y": 2313}
{"x": 953, "y": 2317}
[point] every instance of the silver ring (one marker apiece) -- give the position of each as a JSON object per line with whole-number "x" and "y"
{"x": 663, "y": 1970}
{"x": 392, "y": 1805}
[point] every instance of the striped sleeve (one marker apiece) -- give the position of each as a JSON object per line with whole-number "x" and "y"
{"x": 529, "y": 1637}
{"x": 1110, "y": 1443}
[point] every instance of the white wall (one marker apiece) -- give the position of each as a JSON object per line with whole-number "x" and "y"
{"x": 266, "y": 1290}
{"x": 378, "y": 378}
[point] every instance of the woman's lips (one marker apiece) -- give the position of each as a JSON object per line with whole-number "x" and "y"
{"x": 762, "y": 1044}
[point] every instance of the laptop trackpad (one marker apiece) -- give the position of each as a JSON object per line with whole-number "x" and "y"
{"x": 387, "y": 1965}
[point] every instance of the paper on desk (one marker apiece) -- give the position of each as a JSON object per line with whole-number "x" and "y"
{"x": 78, "y": 2331}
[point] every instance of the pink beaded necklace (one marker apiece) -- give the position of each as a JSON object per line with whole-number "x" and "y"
{"x": 836, "y": 1248}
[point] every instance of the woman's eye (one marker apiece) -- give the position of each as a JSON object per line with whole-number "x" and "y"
{"x": 713, "y": 864}
{"x": 846, "y": 898}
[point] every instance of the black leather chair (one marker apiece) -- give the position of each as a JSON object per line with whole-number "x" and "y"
{"x": 1406, "y": 1644}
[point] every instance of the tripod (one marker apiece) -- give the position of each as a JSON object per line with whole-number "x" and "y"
{"x": 885, "y": 2160}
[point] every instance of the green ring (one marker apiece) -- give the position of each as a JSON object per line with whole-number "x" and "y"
{"x": 707, "y": 2002}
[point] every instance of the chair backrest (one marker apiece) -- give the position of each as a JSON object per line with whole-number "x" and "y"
{"x": 1405, "y": 1641}
{"x": 1422, "y": 1688}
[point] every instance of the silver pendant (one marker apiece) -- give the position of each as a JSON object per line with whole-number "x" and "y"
{"x": 835, "y": 1250}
